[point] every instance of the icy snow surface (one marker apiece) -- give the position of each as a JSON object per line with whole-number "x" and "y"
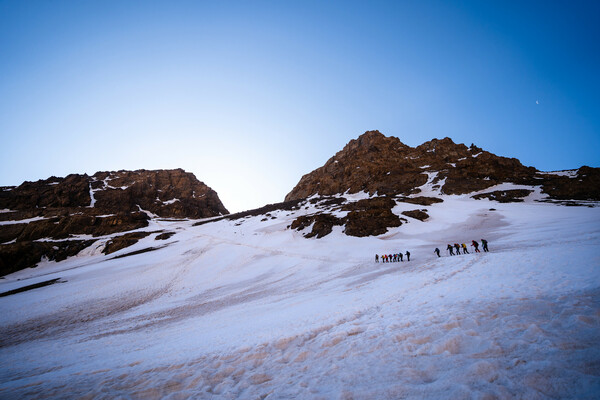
{"x": 571, "y": 173}
{"x": 249, "y": 309}
{"x": 21, "y": 221}
{"x": 92, "y": 198}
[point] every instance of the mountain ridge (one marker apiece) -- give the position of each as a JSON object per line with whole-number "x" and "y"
{"x": 56, "y": 218}
{"x": 374, "y": 184}
{"x": 377, "y": 164}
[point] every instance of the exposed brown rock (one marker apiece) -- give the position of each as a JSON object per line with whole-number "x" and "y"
{"x": 370, "y": 217}
{"x": 64, "y": 227}
{"x": 323, "y": 224}
{"x": 71, "y": 191}
{"x": 166, "y": 193}
{"x": 420, "y": 200}
{"x": 483, "y": 171}
{"x": 384, "y": 165}
{"x": 365, "y": 218}
{"x": 421, "y": 215}
{"x": 164, "y": 236}
{"x": 20, "y": 255}
{"x": 378, "y": 164}
{"x": 505, "y": 196}
{"x": 11, "y": 232}
{"x": 371, "y": 163}
{"x": 102, "y": 204}
{"x": 584, "y": 186}
{"x": 123, "y": 241}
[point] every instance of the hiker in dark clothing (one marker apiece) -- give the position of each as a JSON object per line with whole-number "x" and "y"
{"x": 476, "y": 245}
{"x": 457, "y": 247}
{"x": 400, "y": 255}
{"x": 450, "y": 249}
{"x": 484, "y": 245}
{"x": 376, "y": 258}
{"x": 437, "y": 251}
{"x": 407, "y": 255}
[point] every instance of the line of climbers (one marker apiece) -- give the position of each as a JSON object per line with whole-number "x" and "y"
{"x": 398, "y": 257}
{"x": 458, "y": 247}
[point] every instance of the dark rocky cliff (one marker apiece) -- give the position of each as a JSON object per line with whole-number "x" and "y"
{"x": 43, "y": 218}
{"x": 375, "y": 163}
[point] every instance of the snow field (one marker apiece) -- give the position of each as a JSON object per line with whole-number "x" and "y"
{"x": 257, "y": 311}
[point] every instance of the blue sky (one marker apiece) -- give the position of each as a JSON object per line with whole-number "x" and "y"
{"x": 251, "y": 95}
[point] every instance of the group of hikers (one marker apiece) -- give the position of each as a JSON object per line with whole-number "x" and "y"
{"x": 458, "y": 247}
{"x": 398, "y": 257}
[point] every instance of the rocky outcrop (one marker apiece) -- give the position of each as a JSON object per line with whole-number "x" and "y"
{"x": 390, "y": 171}
{"x": 583, "y": 184}
{"x": 25, "y": 254}
{"x": 420, "y": 200}
{"x": 166, "y": 193}
{"x": 421, "y": 215}
{"x": 123, "y": 241}
{"x": 368, "y": 217}
{"x": 71, "y": 225}
{"x": 384, "y": 165}
{"x": 381, "y": 165}
{"x": 505, "y": 196}
{"x": 322, "y": 224}
{"x": 57, "y": 209}
{"x": 373, "y": 163}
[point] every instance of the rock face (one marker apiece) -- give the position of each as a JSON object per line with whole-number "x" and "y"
{"x": 367, "y": 217}
{"x": 166, "y": 193}
{"x": 391, "y": 173}
{"x": 41, "y": 219}
{"x": 384, "y": 165}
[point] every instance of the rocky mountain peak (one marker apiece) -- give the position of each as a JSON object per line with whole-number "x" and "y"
{"x": 166, "y": 193}
{"x": 377, "y": 164}
{"x": 55, "y": 217}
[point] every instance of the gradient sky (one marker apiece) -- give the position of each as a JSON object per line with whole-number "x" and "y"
{"x": 251, "y": 95}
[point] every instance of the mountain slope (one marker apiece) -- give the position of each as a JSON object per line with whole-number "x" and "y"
{"x": 286, "y": 301}
{"x": 245, "y": 308}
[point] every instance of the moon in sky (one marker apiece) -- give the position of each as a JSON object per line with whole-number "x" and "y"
{"x": 537, "y": 102}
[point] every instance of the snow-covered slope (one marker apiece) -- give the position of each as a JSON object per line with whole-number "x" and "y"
{"x": 250, "y": 309}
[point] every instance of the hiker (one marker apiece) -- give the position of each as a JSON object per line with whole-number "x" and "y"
{"x": 484, "y": 245}
{"x": 407, "y": 255}
{"x": 457, "y": 247}
{"x": 464, "y": 247}
{"x": 376, "y": 258}
{"x": 400, "y": 255}
{"x": 437, "y": 251}
{"x": 450, "y": 249}
{"x": 476, "y": 245}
